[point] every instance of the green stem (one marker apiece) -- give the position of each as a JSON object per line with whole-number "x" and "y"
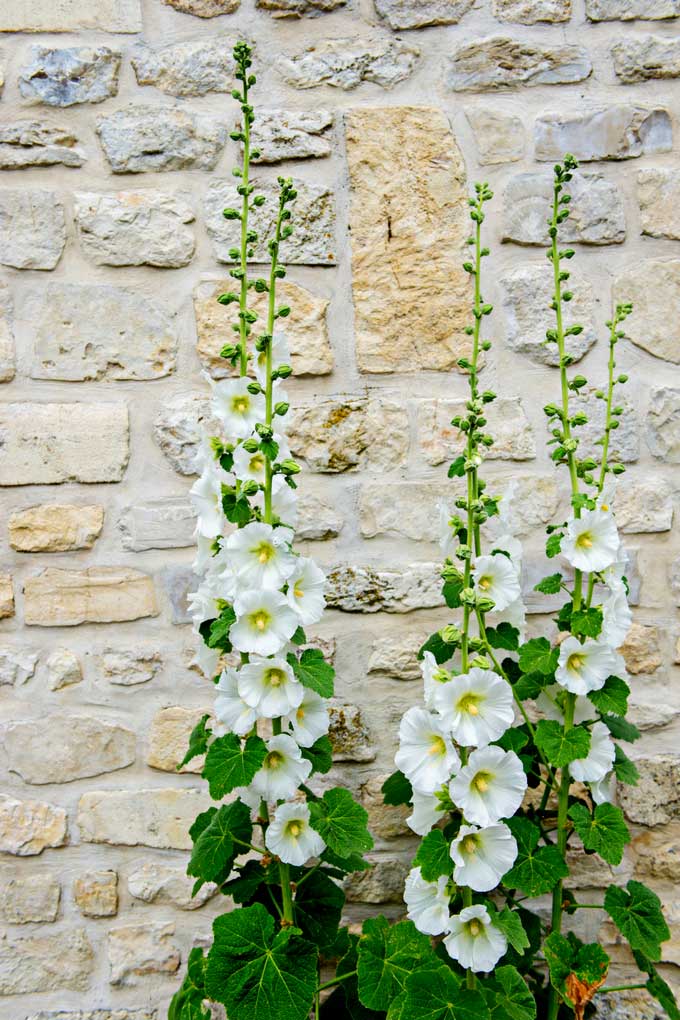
{"x": 620, "y": 988}
{"x": 286, "y": 893}
{"x": 245, "y": 205}
{"x": 336, "y": 980}
{"x": 562, "y": 808}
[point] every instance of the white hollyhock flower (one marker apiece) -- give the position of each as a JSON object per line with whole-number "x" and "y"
{"x": 585, "y": 667}
{"x": 512, "y": 546}
{"x": 260, "y": 555}
{"x": 426, "y": 755}
{"x": 591, "y": 541}
{"x": 204, "y": 553}
{"x": 495, "y": 577}
{"x": 269, "y": 686}
{"x": 617, "y": 617}
{"x": 549, "y": 703}
{"x": 253, "y": 465}
{"x": 433, "y": 678}
{"x": 473, "y": 941}
{"x": 482, "y": 856}
{"x": 477, "y": 707}
{"x": 280, "y": 356}
{"x": 310, "y": 720}
{"x": 291, "y": 837}
{"x": 203, "y": 603}
{"x": 237, "y": 409}
{"x": 427, "y": 902}
{"x": 207, "y": 660}
{"x": 284, "y": 501}
{"x": 206, "y": 497}
{"x": 230, "y": 708}
{"x": 603, "y": 791}
{"x": 448, "y": 542}
{"x": 306, "y": 586}
{"x": 426, "y": 812}
{"x": 599, "y": 759}
{"x": 264, "y": 622}
{"x": 490, "y": 786}
{"x": 606, "y": 498}
{"x": 283, "y": 770}
{"x": 613, "y": 576}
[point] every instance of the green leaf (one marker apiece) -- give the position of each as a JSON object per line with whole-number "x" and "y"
{"x": 397, "y": 790}
{"x": 554, "y": 544}
{"x": 621, "y": 729}
{"x": 613, "y": 697}
{"x": 549, "y": 585}
{"x": 509, "y": 922}
{"x": 344, "y": 1003}
{"x": 503, "y": 636}
{"x": 187, "y": 1002}
{"x": 626, "y": 771}
{"x": 440, "y": 995}
{"x": 320, "y": 754}
{"x": 441, "y": 650}
{"x": 198, "y": 741}
{"x": 530, "y": 685}
{"x": 537, "y": 870}
{"x": 341, "y": 822}
{"x": 236, "y": 507}
{"x": 245, "y": 885}
{"x": 537, "y": 656}
{"x": 433, "y": 857}
{"x": 562, "y": 746}
{"x": 229, "y": 763}
{"x": 586, "y": 622}
{"x": 636, "y": 912}
{"x": 514, "y": 739}
{"x": 214, "y": 848}
{"x": 457, "y": 467}
{"x": 218, "y": 634}
{"x": 508, "y": 996}
{"x": 257, "y": 974}
{"x": 312, "y": 670}
{"x": 318, "y": 907}
{"x": 346, "y": 865}
{"x": 451, "y": 591}
{"x": 659, "y": 990}
{"x": 299, "y": 637}
{"x": 604, "y": 832}
{"x": 567, "y": 955}
{"x": 387, "y": 954}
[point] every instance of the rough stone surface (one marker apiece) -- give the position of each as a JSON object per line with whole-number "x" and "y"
{"x": 596, "y": 211}
{"x": 135, "y": 228}
{"x": 407, "y": 223}
{"x": 384, "y": 883}
{"x": 532, "y": 12}
{"x": 400, "y": 14}
{"x": 177, "y": 583}
{"x": 641, "y": 649}
{"x": 157, "y": 818}
{"x": 624, "y": 442}
{"x": 305, "y": 329}
{"x": 658, "y": 851}
{"x": 28, "y": 899}
{"x": 663, "y": 424}
{"x": 366, "y": 589}
{"x": 528, "y": 294}
{"x": 163, "y": 884}
{"x": 64, "y": 77}
{"x": 137, "y": 950}
{"x": 7, "y": 346}
{"x": 313, "y": 240}
{"x": 25, "y": 143}
{"x": 646, "y": 58}
{"x": 346, "y": 63}
{"x": 65, "y": 598}
{"x": 169, "y": 739}
{"x": 658, "y": 193}
{"x": 32, "y": 228}
{"x": 396, "y": 655}
{"x": 630, "y": 10}
{"x": 384, "y": 821}
{"x": 55, "y": 527}
{"x": 17, "y": 665}
{"x": 337, "y": 435}
{"x": 204, "y": 8}
{"x": 97, "y": 1014}
{"x": 649, "y": 325}
{"x": 674, "y": 577}
{"x": 63, "y": 669}
{"x": 158, "y": 524}
{"x": 499, "y": 62}
{"x": 349, "y": 734}
{"x": 290, "y": 134}
{"x": 656, "y": 798}
{"x": 299, "y": 8}
{"x": 78, "y": 747}
{"x": 644, "y": 506}
{"x": 192, "y": 68}
{"x": 614, "y": 132}
{"x": 71, "y": 16}
{"x": 507, "y": 421}
{"x": 177, "y": 429}
{"x": 126, "y": 668}
{"x": 317, "y": 520}
{"x": 6, "y": 596}
{"x": 43, "y": 962}
{"x": 150, "y": 138}
{"x": 27, "y": 827}
{"x": 44, "y": 444}
{"x": 96, "y": 894}
{"x": 499, "y": 137}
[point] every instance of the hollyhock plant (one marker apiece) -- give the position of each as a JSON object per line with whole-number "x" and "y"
{"x": 427, "y": 902}
{"x": 290, "y": 835}
{"x": 477, "y": 705}
{"x": 474, "y": 941}
{"x": 426, "y": 753}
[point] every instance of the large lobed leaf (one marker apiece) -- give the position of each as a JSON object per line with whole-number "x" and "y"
{"x": 636, "y": 912}
{"x": 387, "y": 955}
{"x": 341, "y": 822}
{"x": 231, "y": 762}
{"x": 537, "y": 870}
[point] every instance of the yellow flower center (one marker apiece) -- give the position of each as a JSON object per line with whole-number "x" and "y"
{"x": 294, "y": 829}
{"x": 474, "y": 927}
{"x": 275, "y": 677}
{"x": 485, "y": 582}
{"x": 469, "y": 845}
{"x": 576, "y": 661}
{"x": 297, "y": 591}
{"x": 300, "y": 714}
{"x": 469, "y": 703}
{"x": 265, "y": 551}
{"x": 240, "y": 404}
{"x": 437, "y": 747}
{"x": 260, "y": 619}
{"x": 482, "y": 780}
{"x": 605, "y": 507}
{"x": 274, "y": 760}
{"x": 584, "y": 540}
{"x": 256, "y": 463}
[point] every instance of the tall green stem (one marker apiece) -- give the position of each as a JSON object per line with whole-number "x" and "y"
{"x": 245, "y": 208}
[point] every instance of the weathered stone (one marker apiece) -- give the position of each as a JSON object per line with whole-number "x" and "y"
{"x": 136, "y": 228}
{"x": 596, "y": 214}
{"x": 71, "y": 16}
{"x": 527, "y": 296}
{"x": 339, "y": 435}
{"x": 191, "y": 68}
{"x": 63, "y": 669}
{"x": 305, "y": 329}
{"x": 366, "y": 589}
{"x": 614, "y": 132}
{"x": 178, "y": 431}
{"x": 507, "y": 423}
{"x": 164, "y": 885}
{"x": 299, "y": 8}
{"x": 645, "y": 506}
{"x": 641, "y": 649}
{"x": 32, "y": 228}
{"x": 532, "y": 12}
{"x": 656, "y": 798}
{"x": 127, "y": 668}
{"x": 349, "y": 734}
{"x": 6, "y": 596}
{"x": 312, "y": 242}
{"x": 27, "y": 899}
{"x": 97, "y": 1014}
{"x": 290, "y": 134}
{"x": 658, "y": 192}
{"x": 624, "y": 442}
{"x": 158, "y": 524}
{"x": 65, "y": 598}
{"x": 403, "y": 216}
{"x": 78, "y": 747}
{"x": 590, "y": 871}
{"x": 177, "y": 583}
{"x": 150, "y": 138}
{"x": 17, "y": 665}
{"x": 401, "y": 14}
{"x": 169, "y": 739}
{"x": 34, "y": 143}
{"x": 396, "y": 655}
{"x": 646, "y": 58}
{"x": 384, "y": 820}
{"x": 630, "y": 10}
{"x": 499, "y": 62}
{"x": 27, "y": 827}
{"x": 96, "y": 893}
{"x": 204, "y": 8}
{"x": 657, "y": 851}
{"x": 499, "y": 137}
{"x": 317, "y": 520}
{"x": 663, "y": 424}
{"x": 45, "y": 444}
{"x": 155, "y": 818}
{"x": 55, "y": 527}
{"x": 64, "y": 77}
{"x": 346, "y": 63}
{"x": 384, "y": 883}
{"x": 44, "y": 963}
{"x": 140, "y": 949}
{"x": 7, "y": 347}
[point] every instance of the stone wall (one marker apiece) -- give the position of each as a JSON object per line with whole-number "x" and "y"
{"x": 115, "y": 164}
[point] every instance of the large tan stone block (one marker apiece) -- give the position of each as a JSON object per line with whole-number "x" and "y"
{"x": 45, "y": 962}
{"x": 65, "y": 598}
{"x": 71, "y": 16}
{"x": 169, "y": 739}
{"x": 27, "y": 827}
{"x": 55, "y": 527}
{"x": 156, "y": 818}
{"x": 69, "y": 747}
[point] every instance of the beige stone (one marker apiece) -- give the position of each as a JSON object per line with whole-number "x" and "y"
{"x": 657, "y": 851}
{"x": 204, "y": 8}
{"x": 27, "y": 143}
{"x": 658, "y": 192}
{"x": 298, "y": 8}
{"x": 395, "y": 655}
{"x": 27, "y": 827}
{"x": 96, "y": 893}
{"x": 32, "y": 228}
{"x": 71, "y": 16}
{"x": 148, "y": 139}
{"x": 17, "y": 665}
{"x": 317, "y": 520}
{"x": 532, "y": 12}
{"x": 499, "y": 137}
{"x": 656, "y": 798}
{"x": 66, "y": 76}
{"x": 367, "y": 589}
{"x": 179, "y": 426}
{"x": 163, "y": 884}
{"x": 63, "y": 669}
{"x": 290, "y": 134}
{"x": 156, "y": 818}
{"x": 346, "y": 63}
{"x": 590, "y": 871}
{"x": 45, "y": 444}
{"x": 644, "y": 506}
{"x": 383, "y": 883}
{"x": 613, "y": 132}
{"x": 135, "y": 228}
{"x": 401, "y": 14}
{"x": 78, "y": 747}
{"x": 349, "y": 734}
{"x": 97, "y": 1014}
{"x": 408, "y": 228}
{"x": 45, "y": 962}
{"x": 65, "y": 598}
{"x": 25, "y": 899}
{"x": 499, "y": 62}
{"x": 663, "y": 424}
{"x": 645, "y": 58}
{"x": 641, "y": 649}
{"x": 55, "y": 527}
{"x": 305, "y": 328}
{"x": 7, "y": 346}
{"x": 137, "y": 950}
{"x": 653, "y": 286}
{"x": 507, "y": 423}
{"x": 6, "y": 596}
{"x": 624, "y": 442}
{"x": 335, "y": 435}
{"x": 126, "y": 668}
{"x": 169, "y": 739}
{"x": 384, "y": 820}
